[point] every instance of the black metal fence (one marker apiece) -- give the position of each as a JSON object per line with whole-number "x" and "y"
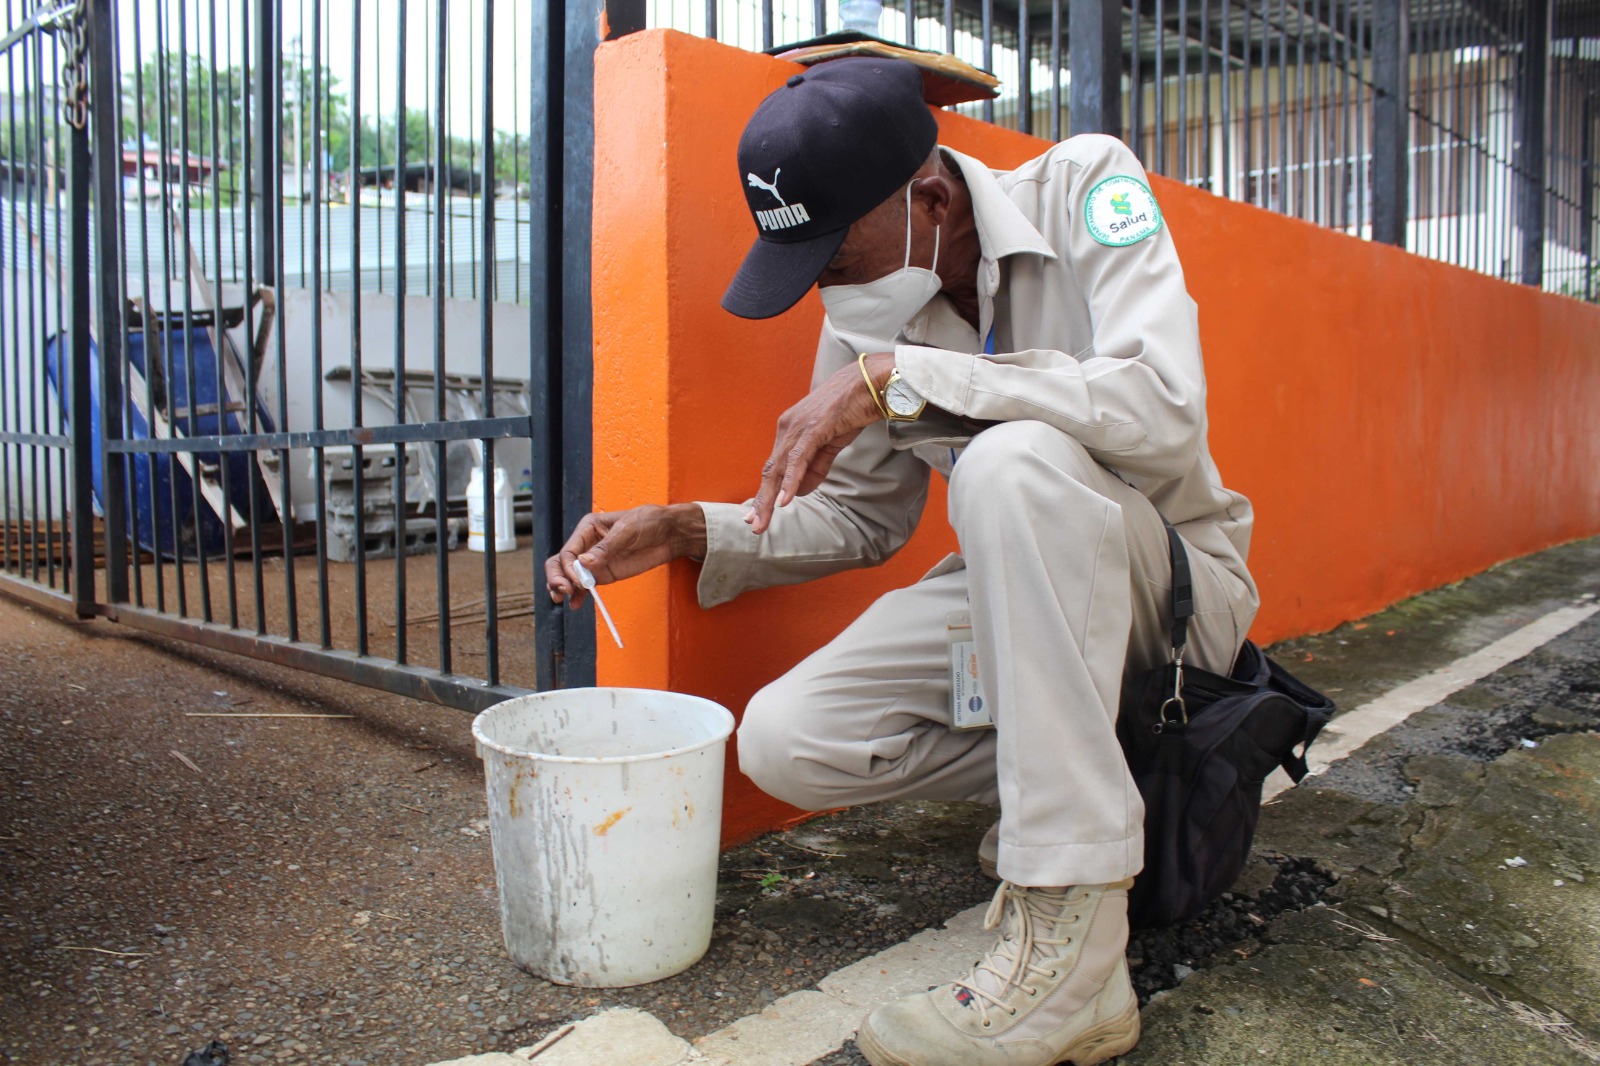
{"x": 294, "y": 305}
{"x": 1463, "y": 130}
{"x": 277, "y": 276}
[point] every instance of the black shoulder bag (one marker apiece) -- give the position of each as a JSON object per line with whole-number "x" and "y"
{"x": 1199, "y": 746}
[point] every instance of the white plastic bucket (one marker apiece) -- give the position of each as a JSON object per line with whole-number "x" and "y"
{"x": 605, "y": 807}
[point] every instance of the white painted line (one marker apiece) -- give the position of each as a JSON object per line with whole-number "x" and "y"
{"x": 804, "y": 1026}
{"x": 1348, "y": 732}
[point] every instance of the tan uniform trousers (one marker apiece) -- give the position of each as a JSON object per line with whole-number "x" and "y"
{"x": 1066, "y": 578}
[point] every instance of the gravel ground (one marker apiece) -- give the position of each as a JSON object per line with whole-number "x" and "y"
{"x": 322, "y": 890}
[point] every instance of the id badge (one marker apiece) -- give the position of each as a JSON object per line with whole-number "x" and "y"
{"x": 969, "y": 708}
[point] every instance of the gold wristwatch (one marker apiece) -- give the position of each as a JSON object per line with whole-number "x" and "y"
{"x": 900, "y": 400}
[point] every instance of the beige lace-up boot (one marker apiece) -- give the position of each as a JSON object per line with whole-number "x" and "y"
{"x": 1054, "y": 989}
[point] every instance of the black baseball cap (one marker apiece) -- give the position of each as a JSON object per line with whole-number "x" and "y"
{"x": 818, "y": 154}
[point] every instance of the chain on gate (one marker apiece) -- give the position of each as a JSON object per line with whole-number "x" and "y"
{"x": 75, "y": 69}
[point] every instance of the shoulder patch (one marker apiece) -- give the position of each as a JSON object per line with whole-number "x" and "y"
{"x": 1121, "y": 211}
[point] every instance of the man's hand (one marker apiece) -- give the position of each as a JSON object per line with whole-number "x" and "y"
{"x": 814, "y": 431}
{"x": 618, "y": 544}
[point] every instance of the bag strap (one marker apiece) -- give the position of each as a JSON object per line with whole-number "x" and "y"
{"x": 1182, "y": 590}
{"x": 1182, "y": 610}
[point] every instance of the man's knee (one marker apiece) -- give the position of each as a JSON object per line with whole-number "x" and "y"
{"x": 769, "y": 737}
{"x": 1003, "y": 464}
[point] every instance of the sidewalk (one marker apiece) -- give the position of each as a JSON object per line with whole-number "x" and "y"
{"x": 1431, "y": 898}
{"x": 322, "y": 891}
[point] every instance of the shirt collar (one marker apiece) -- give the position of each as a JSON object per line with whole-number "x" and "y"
{"x": 1002, "y": 228}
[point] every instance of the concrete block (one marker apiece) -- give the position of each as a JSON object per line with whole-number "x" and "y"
{"x": 613, "y": 1037}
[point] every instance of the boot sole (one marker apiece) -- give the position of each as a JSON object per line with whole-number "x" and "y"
{"x": 1112, "y": 1037}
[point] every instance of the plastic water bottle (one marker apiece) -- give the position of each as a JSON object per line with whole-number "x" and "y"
{"x": 505, "y": 532}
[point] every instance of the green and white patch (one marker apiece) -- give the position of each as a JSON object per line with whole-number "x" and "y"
{"x": 1121, "y": 211}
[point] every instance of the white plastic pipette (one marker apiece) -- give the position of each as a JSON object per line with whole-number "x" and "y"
{"x": 586, "y": 579}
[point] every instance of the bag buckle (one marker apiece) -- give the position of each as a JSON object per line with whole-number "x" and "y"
{"x": 1176, "y": 699}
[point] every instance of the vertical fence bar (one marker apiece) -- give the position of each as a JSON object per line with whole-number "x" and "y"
{"x": 1094, "y": 40}
{"x": 150, "y": 336}
{"x": 441, "y": 183}
{"x": 9, "y": 386}
{"x": 491, "y": 594}
{"x": 1586, "y": 205}
{"x": 16, "y": 226}
{"x": 1263, "y": 197}
{"x": 1207, "y": 156}
{"x": 358, "y": 461}
{"x": 1301, "y": 112}
{"x": 105, "y": 101}
{"x": 80, "y": 419}
{"x": 1183, "y": 90}
{"x": 319, "y": 482}
{"x": 12, "y": 267}
{"x": 191, "y": 374}
{"x": 1532, "y": 134}
{"x": 988, "y": 50}
{"x": 57, "y": 534}
{"x": 1458, "y": 145}
{"x": 248, "y": 214}
{"x": 577, "y": 349}
{"x": 1226, "y": 89}
{"x": 1159, "y": 103}
{"x": 1136, "y": 80}
{"x": 1024, "y": 69}
{"x": 1390, "y": 116}
{"x": 1055, "y": 70}
{"x": 401, "y": 633}
{"x": 268, "y": 173}
{"x": 290, "y": 593}
{"x": 41, "y": 173}
{"x": 1282, "y": 199}
{"x": 220, "y": 331}
{"x": 124, "y": 333}
{"x": 1363, "y": 119}
{"x": 547, "y": 47}
{"x": 1319, "y": 116}
{"x": 1247, "y": 155}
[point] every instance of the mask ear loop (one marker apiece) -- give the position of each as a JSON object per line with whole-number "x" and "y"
{"x": 907, "y": 264}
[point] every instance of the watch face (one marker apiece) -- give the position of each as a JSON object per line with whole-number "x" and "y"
{"x": 902, "y": 399}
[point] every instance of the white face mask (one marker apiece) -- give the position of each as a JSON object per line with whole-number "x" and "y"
{"x": 878, "y": 310}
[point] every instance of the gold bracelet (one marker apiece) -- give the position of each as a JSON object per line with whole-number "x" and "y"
{"x": 873, "y": 389}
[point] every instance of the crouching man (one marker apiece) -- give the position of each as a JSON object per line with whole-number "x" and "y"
{"x": 1028, "y": 335}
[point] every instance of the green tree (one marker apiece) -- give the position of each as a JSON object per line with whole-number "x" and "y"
{"x": 169, "y": 80}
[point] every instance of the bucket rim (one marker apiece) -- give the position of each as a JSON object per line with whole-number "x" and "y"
{"x": 725, "y": 727}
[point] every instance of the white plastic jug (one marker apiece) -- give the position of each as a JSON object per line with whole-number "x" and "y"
{"x": 605, "y": 808}
{"x": 505, "y": 530}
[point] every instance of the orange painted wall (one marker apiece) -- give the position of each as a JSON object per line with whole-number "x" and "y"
{"x": 1397, "y": 422}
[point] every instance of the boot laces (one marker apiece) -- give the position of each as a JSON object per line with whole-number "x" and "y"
{"x": 1023, "y": 952}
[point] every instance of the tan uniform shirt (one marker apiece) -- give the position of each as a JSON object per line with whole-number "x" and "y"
{"x": 1101, "y": 342}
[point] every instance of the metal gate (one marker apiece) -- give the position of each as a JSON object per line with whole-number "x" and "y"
{"x": 290, "y": 288}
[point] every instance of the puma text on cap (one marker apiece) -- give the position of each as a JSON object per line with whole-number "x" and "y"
{"x": 818, "y": 154}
